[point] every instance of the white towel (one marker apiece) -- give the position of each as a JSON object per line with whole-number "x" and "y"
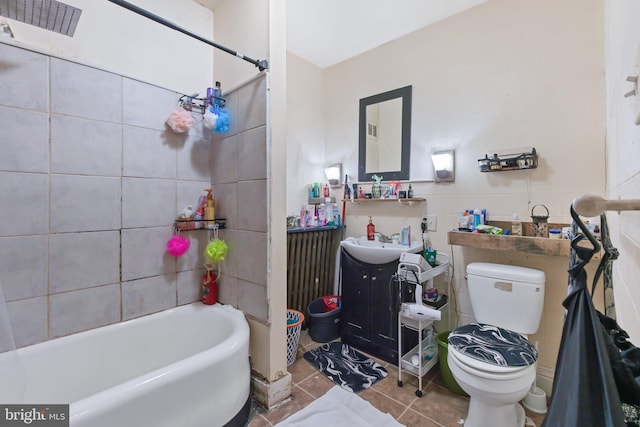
{"x": 339, "y": 408}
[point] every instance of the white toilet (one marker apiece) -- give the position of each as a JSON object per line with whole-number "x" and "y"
{"x": 492, "y": 360}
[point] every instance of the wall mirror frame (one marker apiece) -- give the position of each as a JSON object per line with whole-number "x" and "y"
{"x": 392, "y": 142}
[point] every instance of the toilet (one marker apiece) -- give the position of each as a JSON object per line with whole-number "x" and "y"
{"x": 492, "y": 360}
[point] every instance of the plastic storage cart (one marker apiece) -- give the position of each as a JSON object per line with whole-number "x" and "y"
{"x": 423, "y": 278}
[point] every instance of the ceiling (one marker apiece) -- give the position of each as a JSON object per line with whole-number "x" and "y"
{"x": 326, "y": 32}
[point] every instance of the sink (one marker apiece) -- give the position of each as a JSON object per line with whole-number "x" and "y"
{"x": 373, "y": 252}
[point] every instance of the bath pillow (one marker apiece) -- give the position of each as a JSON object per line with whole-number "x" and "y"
{"x": 494, "y": 345}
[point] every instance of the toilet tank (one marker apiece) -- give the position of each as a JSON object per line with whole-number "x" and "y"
{"x": 507, "y": 296}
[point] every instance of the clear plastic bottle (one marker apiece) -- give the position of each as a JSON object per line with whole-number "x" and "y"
{"x": 516, "y": 226}
{"x": 429, "y": 347}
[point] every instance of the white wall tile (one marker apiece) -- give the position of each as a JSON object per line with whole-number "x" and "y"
{"x": 23, "y": 263}
{"x": 252, "y": 205}
{"x": 224, "y": 160}
{"x": 193, "y": 258}
{"x": 78, "y": 90}
{"x": 24, "y": 205}
{"x": 228, "y": 289}
{"x": 251, "y": 254}
{"x": 189, "y": 193}
{"x": 76, "y": 311}
{"x": 28, "y": 320}
{"x": 234, "y": 255}
{"x": 83, "y": 260}
{"x": 252, "y": 103}
{"x": 144, "y": 252}
{"x": 25, "y": 140}
{"x": 84, "y": 203}
{"x": 149, "y": 153}
{"x": 189, "y": 286}
{"x": 194, "y": 154}
{"x": 85, "y": 147}
{"x": 146, "y": 105}
{"x": 24, "y": 78}
{"x": 252, "y": 299}
{"x": 252, "y": 154}
{"x": 226, "y": 196}
{"x": 148, "y": 202}
{"x": 150, "y": 295}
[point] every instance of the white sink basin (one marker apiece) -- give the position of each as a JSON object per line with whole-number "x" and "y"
{"x": 373, "y": 252}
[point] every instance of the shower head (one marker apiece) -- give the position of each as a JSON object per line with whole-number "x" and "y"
{"x": 51, "y": 15}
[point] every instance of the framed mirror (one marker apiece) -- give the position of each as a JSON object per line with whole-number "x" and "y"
{"x": 385, "y": 135}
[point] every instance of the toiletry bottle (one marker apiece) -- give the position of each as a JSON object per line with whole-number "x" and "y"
{"x": 516, "y": 226}
{"x": 326, "y": 191}
{"x": 209, "y": 210}
{"x": 303, "y": 217}
{"x": 360, "y": 193}
{"x": 217, "y": 95}
{"x": 371, "y": 229}
{"x": 322, "y": 216}
{"x": 410, "y": 192}
{"x": 347, "y": 190}
{"x": 336, "y": 216}
{"x": 477, "y": 217}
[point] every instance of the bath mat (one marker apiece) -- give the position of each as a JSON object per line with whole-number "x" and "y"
{"x": 346, "y": 367}
{"x": 339, "y": 408}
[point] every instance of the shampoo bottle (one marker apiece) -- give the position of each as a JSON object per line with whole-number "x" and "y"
{"x": 371, "y": 230}
{"x": 209, "y": 210}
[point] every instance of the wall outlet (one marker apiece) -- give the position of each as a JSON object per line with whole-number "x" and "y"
{"x": 431, "y": 221}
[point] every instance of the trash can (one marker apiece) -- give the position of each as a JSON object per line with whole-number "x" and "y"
{"x": 447, "y": 377}
{"x": 294, "y": 324}
{"x": 324, "y": 325}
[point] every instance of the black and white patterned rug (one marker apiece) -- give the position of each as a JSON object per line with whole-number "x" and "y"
{"x": 345, "y": 366}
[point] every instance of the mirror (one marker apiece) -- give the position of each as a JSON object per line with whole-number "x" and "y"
{"x": 385, "y": 135}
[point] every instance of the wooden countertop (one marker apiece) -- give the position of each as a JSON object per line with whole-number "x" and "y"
{"x": 532, "y": 245}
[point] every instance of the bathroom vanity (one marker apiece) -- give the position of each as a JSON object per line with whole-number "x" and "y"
{"x": 369, "y": 320}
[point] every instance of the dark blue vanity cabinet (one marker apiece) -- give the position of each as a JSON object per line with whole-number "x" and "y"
{"x": 369, "y": 320}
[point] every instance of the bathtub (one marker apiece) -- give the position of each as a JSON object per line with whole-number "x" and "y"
{"x": 187, "y": 366}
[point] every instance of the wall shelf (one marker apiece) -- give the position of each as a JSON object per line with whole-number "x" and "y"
{"x": 509, "y": 162}
{"x": 405, "y": 201}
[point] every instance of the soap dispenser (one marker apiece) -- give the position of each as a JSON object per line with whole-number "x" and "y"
{"x": 209, "y": 210}
{"x": 371, "y": 230}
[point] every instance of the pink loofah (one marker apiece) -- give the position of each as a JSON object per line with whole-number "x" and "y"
{"x": 180, "y": 120}
{"x": 178, "y": 245}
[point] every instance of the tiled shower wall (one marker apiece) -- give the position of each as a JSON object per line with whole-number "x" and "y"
{"x": 90, "y": 183}
{"x": 239, "y": 173}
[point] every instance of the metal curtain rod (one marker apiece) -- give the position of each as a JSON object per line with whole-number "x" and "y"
{"x": 590, "y": 205}
{"x": 261, "y": 64}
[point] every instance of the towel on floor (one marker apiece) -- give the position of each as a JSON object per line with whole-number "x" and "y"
{"x": 339, "y": 408}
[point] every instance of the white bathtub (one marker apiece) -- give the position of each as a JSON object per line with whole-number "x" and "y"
{"x": 187, "y": 366}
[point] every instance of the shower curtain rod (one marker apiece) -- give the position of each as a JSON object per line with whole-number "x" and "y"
{"x": 261, "y": 64}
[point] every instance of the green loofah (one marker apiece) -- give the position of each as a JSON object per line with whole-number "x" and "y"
{"x": 216, "y": 250}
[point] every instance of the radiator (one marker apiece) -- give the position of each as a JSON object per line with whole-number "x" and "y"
{"x": 311, "y": 259}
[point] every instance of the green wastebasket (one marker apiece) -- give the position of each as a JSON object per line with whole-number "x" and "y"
{"x": 449, "y": 382}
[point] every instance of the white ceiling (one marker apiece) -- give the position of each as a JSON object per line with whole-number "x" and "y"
{"x": 326, "y": 32}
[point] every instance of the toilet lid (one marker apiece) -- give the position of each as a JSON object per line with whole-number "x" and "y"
{"x": 493, "y": 345}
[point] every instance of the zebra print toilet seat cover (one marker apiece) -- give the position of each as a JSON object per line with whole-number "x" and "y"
{"x": 493, "y": 345}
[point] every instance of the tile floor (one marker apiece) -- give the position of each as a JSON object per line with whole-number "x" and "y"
{"x": 437, "y": 407}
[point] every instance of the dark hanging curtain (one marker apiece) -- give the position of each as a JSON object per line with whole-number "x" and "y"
{"x": 591, "y": 371}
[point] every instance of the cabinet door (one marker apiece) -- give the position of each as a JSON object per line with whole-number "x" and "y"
{"x": 355, "y": 297}
{"x": 384, "y": 317}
